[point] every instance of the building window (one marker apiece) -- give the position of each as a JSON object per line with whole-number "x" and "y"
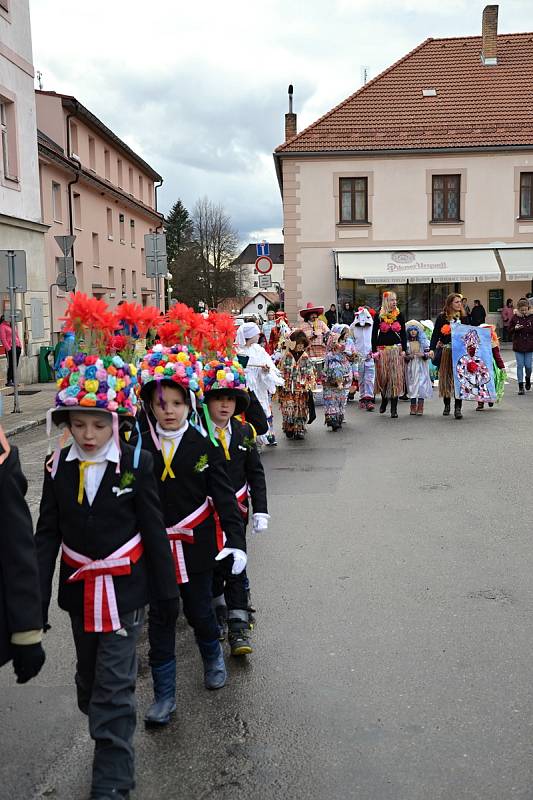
{"x": 77, "y": 211}
{"x": 130, "y": 173}
{"x": 353, "y": 199}
{"x": 96, "y": 250}
{"x": 74, "y": 139}
{"x": 123, "y": 282}
{"x": 446, "y": 193}
{"x": 526, "y": 195}
{"x": 141, "y": 189}
{"x": 122, "y": 229}
{"x": 78, "y": 273}
{"x": 107, "y": 165}
{"x": 148, "y": 194}
{"x": 132, "y": 232}
{"x": 119, "y": 172}
{"x": 92, "y": 154}
{"x": 9, "y": 169}
{"x": 134, "y": 283}
{"x": 56, "y": 202}
{"x": 111, "y": 278}
{"x": 110, "y": 224}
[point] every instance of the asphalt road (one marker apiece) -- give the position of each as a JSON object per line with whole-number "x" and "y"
{"x": 393, "y": 641}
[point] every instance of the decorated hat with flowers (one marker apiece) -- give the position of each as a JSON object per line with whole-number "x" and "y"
{"x": 179, "y": 365}
{"x": 226, "y": 376}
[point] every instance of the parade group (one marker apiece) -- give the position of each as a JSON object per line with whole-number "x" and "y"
{"x": 159, "y": 422}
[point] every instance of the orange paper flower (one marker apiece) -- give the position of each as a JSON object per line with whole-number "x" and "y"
{"x": 446, "y": 330}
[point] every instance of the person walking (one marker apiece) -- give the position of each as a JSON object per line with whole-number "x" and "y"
{"x": 521, "y": 331}
{"x": 348, "y": 314}
{"x": 477, "y": 314}
{"x": 389, "y": 344}
{"x": 299, "y": 378}
{"x": 418, "y": 382}
{"x": 331, "y": 315}
{"x": 269, "y": 324}
{"x": 6, "y": 340}
{"x": 337, "y": 378}
{"x": 441, "y": 345}
{"x": 507, "y": 314}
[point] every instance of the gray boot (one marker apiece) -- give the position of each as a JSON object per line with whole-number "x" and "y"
{"x": 164, "y": 678}
{"x": 214, "y": 667}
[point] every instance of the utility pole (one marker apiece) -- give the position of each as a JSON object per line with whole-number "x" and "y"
{"x": 12, "y": 313}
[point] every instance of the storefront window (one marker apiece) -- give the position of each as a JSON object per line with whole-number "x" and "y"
{"x": 416, "y": 301}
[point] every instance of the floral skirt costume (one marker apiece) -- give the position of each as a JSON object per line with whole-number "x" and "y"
{"x": 299, "y": 380}
{"x": 390, "y": 378}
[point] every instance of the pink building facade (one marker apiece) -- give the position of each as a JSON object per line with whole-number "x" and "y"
{"x": 96, "y": 188}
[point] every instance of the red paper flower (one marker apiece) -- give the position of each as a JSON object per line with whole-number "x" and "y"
{"x": 472, "y": 366}
{"x": 396, "y": 327}
{"x": 446, "y": 330}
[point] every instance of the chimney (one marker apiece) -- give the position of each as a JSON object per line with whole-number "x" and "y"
{"x": 290, "y": 119}
{"x": 489, "y": 51}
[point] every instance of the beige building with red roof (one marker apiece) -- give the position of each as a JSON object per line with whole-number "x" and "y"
{"x": 421, "y": 181}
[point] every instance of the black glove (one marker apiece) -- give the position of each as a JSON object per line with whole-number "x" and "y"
{"x": 27, "y": 660}
{"x": 168, "y": 610}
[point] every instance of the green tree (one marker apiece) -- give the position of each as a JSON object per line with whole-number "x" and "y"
{"x": 179, "y": 229}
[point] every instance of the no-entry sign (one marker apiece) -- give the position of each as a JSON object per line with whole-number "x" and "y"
{"x": 263, "y": 264}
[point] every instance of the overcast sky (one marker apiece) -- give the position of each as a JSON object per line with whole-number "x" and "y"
{"x": 199, "y": 89}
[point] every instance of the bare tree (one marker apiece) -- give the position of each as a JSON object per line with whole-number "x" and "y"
{"x": 217, "y": 241}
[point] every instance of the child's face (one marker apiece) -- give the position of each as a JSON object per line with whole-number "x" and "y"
{"x": 90, "y": 430}
{"x": 170, "y": 407}
{"x": 413, "y": 334}
{"x": 221, "y": 408}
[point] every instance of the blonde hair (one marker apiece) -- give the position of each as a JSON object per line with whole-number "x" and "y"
{"x": 385, "y": 302}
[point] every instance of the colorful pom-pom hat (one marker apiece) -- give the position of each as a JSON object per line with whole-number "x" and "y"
{"x": 179, "y": 365}
{"x": 225, "y": 376}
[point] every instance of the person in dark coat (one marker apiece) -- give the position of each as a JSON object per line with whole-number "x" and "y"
{"x": 389, "y": 345}
{"x": 331, "y": 315}
{"x": 347, "y": 314}
{"x": 521, "y": 333}
{"x": 477, "y": 314}
{"x": 225, "y": 397}
{"x": 20, "y": 597}
{"x": 194, "y": 490}
{"x": 100, "y": 508}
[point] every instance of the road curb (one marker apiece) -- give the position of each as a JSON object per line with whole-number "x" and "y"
{"x": 25, "y": 426}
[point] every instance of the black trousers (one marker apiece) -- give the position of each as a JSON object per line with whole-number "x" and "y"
{"x": 197, "y": 596}
{"x": 233, "y": 587}
{"x": 106, "y": 671}
{"x": 10, "y": 370}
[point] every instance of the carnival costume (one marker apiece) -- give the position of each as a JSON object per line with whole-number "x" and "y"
{"x": 101, "y": 510}
{"x": 317, "y": 333}
{"x": 299, "y": 380}
{"x": 441, "y": 345}
{"x": 472, "y": 372}
{"x": 388, "y": 346}
{"x": 417, "y": 378}
{"x": 279, "y": 332}
{"x": 336, "y": 379}
{"x": 361, "y": 330}
{"x": 262, "y": 375}
{"x": 500, "y": 375}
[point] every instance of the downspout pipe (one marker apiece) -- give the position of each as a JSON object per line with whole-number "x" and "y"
{"x": 76, "y": 179}
{"x": 157, "y": 186}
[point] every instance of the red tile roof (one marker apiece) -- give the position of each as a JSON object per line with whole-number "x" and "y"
{"x": 475, "y": 106}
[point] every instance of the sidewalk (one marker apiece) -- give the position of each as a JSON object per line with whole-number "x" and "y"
{"x": 33, "y": 407}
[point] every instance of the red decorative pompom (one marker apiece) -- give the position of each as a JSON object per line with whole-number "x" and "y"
{"x": 472, "y": 366}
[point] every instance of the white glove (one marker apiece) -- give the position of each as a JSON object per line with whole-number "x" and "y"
{"x": 260, "y": 522}
{"x": 239, "y": 558}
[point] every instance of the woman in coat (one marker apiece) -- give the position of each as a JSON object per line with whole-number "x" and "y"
{"x": 521, "y": 332}
{"x": 441, "y": 344}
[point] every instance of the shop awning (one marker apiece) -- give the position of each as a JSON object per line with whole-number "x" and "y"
{"x": 418, "y": 266}
{"x": 517, "y": 262}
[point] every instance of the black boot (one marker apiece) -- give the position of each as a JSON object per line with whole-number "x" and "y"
{"x": 528, "y": 381}
{"x": 164, "y": 678}
{"x": 383, "y": 406}
{"x": 394, "y": 408}
{"x": 214, "y": 667}
{"x": 221, "y": 613}
{"x": 239, "y": 633}
{"x": 521, "y": 388}
{"x": 446, "y": 412}
{"x": 457, "y": 411}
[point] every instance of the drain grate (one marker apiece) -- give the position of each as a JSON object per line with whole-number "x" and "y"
{"x": 496, "y": 595}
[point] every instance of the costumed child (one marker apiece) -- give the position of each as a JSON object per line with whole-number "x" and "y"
{"x": 417, "y": 378}
{"x": 226, "y": 397}
{"x": 336, "y": 378}
{"x": 361, "y": 329}
{"x": 388, "y": 346}
{"x": 21, "y": 625}
{"x": 299, "y": 380}
{"x": 441, "y": 345}
{"x": 101, "y": 509}
{"x": 193, "y": 484}
{"x": 262, "y": 375}
{"x": 280, "y": 331}
{"x": 500, "y": 375}
{"x": 317, "y": 333}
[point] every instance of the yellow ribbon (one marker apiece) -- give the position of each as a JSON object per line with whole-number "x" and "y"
{"x": 224, "y": 442}
{"x": 81, "y": 487}
{"x": 167, "y": 459}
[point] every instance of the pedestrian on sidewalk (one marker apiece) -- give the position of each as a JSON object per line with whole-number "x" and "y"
{"x": 441, "y": 346}
{"x": 388, "y": 348}
{"x": 477, "y": 314}
{"x": 101, "y": 509}
{"x": 336, "y": 378}
{"x": 193, "y": 487}
{"x": 500, "y": 374}
{"x": 507, "y": 314}
{"x": 521, "y": 331}
{"x": 417, "y": 378}
{"x": 299, "y": 377}
{"x": 21, "y": 625}
{"x": 226, "y": 398}
{"x": 331, "y": 316}
{"x": 6, "y": 339}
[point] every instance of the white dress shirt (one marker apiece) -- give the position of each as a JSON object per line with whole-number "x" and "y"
{"x": 93, "y": 474}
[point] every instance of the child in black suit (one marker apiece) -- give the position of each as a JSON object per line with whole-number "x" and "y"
{"x": 192, "y": 484}
{"x": 101, "y": 509}
{"x": 225, "y": 397}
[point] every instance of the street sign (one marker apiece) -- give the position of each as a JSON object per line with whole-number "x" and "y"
{"x": 263, "y": 264}
{"x": 155, "y": 244}
{"x": 265, "y": 281}
{"x": 262, "y": 249}
{"x": 21, "y": 279}
{"x": 156, "y": 268}
{"x": 65, "y": 243}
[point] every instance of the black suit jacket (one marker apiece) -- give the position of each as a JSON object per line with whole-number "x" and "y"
{"x": 99, "y": 529}
{"x": 188, "y": 490}
{"x": 245, "y": 466}
{"x": 20, "y": 596}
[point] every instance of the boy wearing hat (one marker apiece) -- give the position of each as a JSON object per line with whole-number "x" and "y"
{"x": 226, "y": 397}
{"x": 193, "y": 485}
{"x": 100, "y": 508}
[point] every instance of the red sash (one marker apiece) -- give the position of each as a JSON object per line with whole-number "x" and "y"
{"x": 183, "y": 531}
